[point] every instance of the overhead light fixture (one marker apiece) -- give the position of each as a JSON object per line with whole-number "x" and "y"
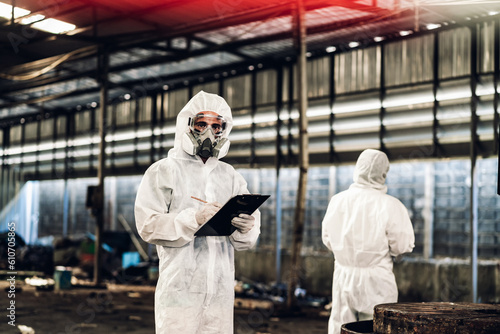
{"x": 432, "y": 26}
{"x": 353, "y": 44}
{"x": 6, "y": 11}
{"x": 492, "y": 13}
{"x": 378, "y": 39}
{"x": 331, "y": 49}
{"x": 32, "y": 19}
{"x": 37, "y": 21}
{"x": 405, "y": 32}
{"x": 54, "y": 26}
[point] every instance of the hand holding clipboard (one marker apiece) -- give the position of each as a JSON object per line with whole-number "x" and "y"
{"x": 220, "y": 223}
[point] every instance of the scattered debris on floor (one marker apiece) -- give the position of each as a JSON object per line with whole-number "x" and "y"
{"x": 257, "y": 295}
{"x": 25, "y": 329}
{"x": 62, "y": 269}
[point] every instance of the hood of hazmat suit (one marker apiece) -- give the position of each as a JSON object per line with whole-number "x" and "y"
{"x": 365, "y": 228}
{"x": 371, "y": 169}
{"x": 195, "y": 289}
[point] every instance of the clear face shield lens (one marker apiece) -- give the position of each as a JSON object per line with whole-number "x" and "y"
{"x": 202, "y": 122}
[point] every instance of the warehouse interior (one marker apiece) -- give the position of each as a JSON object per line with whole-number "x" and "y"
{"x": 90, "y": 91}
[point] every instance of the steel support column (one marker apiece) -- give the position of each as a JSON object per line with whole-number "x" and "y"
{"x": 99, "y": 209}
{"x": 382, "y": 94}
{"x": 278, "y": 162}
{"x": 298, "y": 226}
{"x": 496, "y": 79}
{"x": 473, "y": 157}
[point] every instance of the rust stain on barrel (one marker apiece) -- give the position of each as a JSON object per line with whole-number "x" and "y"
{"x": 436, "y": 317}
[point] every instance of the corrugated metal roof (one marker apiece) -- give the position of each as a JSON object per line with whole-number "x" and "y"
{"x": 159, "y": 41}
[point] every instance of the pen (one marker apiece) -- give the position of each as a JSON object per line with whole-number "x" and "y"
{"x": 198, "y": 199}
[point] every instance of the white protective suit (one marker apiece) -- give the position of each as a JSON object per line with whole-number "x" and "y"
{"x": 364, "y": 228}
{"x": 195, "y": 289}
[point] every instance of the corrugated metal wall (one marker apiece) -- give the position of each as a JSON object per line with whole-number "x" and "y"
{"x": 417, "y": 99}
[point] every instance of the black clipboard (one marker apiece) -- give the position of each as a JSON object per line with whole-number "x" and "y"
{"x": 220, "y": 223}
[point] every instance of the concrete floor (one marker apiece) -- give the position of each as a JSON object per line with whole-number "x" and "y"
{"x": 122, "y": 309}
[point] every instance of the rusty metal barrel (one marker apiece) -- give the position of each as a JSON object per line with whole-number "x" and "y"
{"x": 436, "y": 317}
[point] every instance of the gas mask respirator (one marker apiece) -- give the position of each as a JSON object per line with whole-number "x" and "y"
{"x": 204, "y": 136}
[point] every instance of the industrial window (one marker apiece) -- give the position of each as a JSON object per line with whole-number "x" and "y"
{"x": 318, "y": 197}
{"x": 15, "y": 134}
{"x": 408, "y": 117}
{"x": 50, "y": 217}
{"x": 409, "y": 61}
{"x": 318, "y": 115}
{"x": 451, "y": 215}
{"x": 263, "y": 181}
{"x": 486, "y": 47}
{"x": 485, "y": 109}
{"x": 174, "y": 101}
{"x": 265, "y": 131}
{"x": 47, "y": 130}
{"x": 241, "y": 135}
{"x": 61, "y": 127}
{"x": 358, "y": 70}
{"x": 288, "y": 179}
{"x": 318, "y": 79}
{"x": 82, "y": 122}
{"x": 266, "y": 87}
{"x": 145, "y": 105}
{"x": 125, "y": 113}
{"x": 489, "y": 209}
{"x": 31, "y": 131}
{"x": 407, "y": 182}
{"x": 404, "y": 116}
{"x": 436, "y": 194}
{"x": 454, "y": 53}
{"x": 238, "y": 91}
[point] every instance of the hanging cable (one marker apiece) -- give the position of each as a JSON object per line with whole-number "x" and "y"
{"x": 37, "y": 73}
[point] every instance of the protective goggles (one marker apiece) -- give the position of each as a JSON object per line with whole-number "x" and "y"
{"x": 200, "y": 123}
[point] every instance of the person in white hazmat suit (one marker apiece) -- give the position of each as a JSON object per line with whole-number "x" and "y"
{"x": 195, "y": 288}
{"x": 365, "y": 228}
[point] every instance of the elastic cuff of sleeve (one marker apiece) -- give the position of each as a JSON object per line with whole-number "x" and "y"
{"x": 188, "y": 216}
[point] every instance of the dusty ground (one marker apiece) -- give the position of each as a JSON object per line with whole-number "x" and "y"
{"x": 123, "y": 309}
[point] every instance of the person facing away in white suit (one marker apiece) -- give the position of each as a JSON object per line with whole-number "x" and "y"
{"x": 195, "y": 289}
{"x": 365, "y": 228}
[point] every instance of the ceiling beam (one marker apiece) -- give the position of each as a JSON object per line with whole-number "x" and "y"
{"x": 231, "y": 47}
